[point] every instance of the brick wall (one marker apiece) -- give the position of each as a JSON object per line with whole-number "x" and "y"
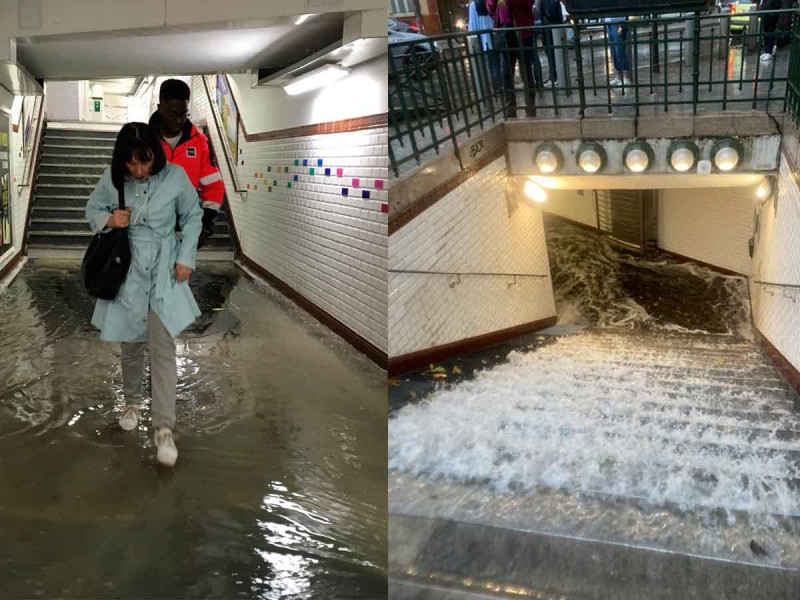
{"x": 472, "y": 229}
{"x": 319, "y": 228}
{"x": 709, "y": 225}
{"x": 776, "y": 311}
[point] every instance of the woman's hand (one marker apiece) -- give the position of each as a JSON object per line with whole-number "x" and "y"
{"x": 119, "y": 218}
{"x": 182, "y": 272}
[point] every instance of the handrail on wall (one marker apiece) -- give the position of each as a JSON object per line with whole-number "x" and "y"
{"x": 30, "y": 157}
{"x": 780, "y": 285}
{"x": 225, "y": 149}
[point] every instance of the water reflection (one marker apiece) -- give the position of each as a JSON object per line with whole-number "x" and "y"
{"x": 281, "y": 487}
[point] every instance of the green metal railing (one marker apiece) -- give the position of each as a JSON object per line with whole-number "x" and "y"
{"x": 442, "y": 89}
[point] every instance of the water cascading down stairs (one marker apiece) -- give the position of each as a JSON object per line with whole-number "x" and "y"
{"x": 612, "y": 464}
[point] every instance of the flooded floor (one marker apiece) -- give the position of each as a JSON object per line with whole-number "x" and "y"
{"x": 280, "y": 486}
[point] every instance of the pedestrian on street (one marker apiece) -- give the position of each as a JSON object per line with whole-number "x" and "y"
{"x": 154, "y": 304}
{"x": 617, "y": 41}
{"x": 769, "y": 27}
{"x": 481, "y": 46}
{"x": 549, "y": 12}
{"x": 185, "y": 145}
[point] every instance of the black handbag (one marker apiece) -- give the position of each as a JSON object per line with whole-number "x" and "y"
{"x": 107, "y": 260}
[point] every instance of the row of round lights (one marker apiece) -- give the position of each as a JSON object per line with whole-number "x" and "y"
{"x": 638, "y": 157}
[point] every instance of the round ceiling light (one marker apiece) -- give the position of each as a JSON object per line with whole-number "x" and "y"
{"x": 638, "y": 157}
{"x": 727, "y": 155}
{"x": 683, "y": 155}
{"x": 548, "y": 158}
{"x": 591, "y": 157}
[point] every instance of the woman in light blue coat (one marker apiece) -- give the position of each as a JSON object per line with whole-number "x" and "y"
{"x": 154, "y": 303}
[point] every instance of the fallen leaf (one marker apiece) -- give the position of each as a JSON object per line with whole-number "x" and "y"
{"x": 440, "y": 375}
{"x": 394, "y": 382}
{"x": 437, "y": 369}
{"x": 456, "y": 370}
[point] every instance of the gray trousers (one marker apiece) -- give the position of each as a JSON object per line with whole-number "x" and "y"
{"x": 163, "y": 372}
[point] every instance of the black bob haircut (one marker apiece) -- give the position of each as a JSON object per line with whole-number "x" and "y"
{"x": 135, "y": 140}
{"x": 173, "y": 89}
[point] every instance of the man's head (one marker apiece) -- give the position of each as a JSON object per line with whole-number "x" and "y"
{"x": 173, "y": 106}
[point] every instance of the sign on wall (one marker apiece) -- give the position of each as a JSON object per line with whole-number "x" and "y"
{"x": 5, "y": 185}
{"x": 229, "y": 113}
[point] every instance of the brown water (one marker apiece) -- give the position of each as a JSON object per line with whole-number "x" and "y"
{"x": 280, "y": 486}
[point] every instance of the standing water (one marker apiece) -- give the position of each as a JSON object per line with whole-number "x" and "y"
{"x": 280, "y": 486}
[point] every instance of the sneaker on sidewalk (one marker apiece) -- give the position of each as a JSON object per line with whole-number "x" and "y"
{"x": 766, "y": 57}
{"x": 615, "y": 82}
{"x": 167, "y": 452}
{"x": 130, "y": 418}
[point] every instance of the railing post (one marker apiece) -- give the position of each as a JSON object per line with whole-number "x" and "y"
{"x": 579, "y": 67}
{"x": 695, "y": 61}
{"x": 559, "y": 41}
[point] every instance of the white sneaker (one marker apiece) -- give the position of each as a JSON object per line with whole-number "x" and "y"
{"x": 615, "y": 82}
{"x": 167, "y": 452}
{"x": 130, "y": 418}
{"x": 766, "y": 57}
{"x": 628, "y": 82}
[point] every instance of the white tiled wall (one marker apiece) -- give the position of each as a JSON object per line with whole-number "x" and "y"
{"x": 776, "y": 311}
{"x": 710, "y": 225}
{"x": 571, "y": 205}
{"x": 329, "y": 247}
{"x": 471, "y": 229}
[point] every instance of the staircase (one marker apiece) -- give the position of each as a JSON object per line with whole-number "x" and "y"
{"x": 612, "y": 464}
{"x": 71, "y": 164}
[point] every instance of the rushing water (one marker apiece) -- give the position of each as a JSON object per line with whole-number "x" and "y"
{"x": 660, "y": 424}
{"x": 280, "y": 487}
{"x": 596, "y": 284}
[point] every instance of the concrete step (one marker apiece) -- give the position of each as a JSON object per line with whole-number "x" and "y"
{"x": 68, "y": 168}
{"x": 50, "y": 158}
{"x": 71, "y": 179}
{"x": 590, "y": 355}
{"x": 72, "y": 220}
{"x": 56, "y": 132}
{"x": 81, "y": 140}
{"x": 496, "y": 562}
{"x": 71, "y": 239}
{"x": 68, "y": 149}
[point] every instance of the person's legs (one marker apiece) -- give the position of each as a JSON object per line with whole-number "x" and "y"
{"x": 550, "y": 52}
{"x": 132, "y": 374}
{"x": 769, "y": 25}
{"x": 510, "y": 65}
{"x": 531, "y": 70}
{"x": 209, "y": 216}
{"x": 164, "y": 372}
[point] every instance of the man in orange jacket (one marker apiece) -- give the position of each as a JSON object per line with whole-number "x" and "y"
{"x": 186, "y": 146}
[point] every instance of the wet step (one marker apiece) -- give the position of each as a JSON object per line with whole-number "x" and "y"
{"x": 50, "y": 159}
{"x": 67, "y": 149}
{"x": 464, "y": 558}
{"x": 73, "y": 221}
{"x": 85, "y": 170}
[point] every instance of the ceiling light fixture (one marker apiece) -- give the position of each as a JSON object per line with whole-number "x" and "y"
{"x": 682, "y": 155}
{"x": 638, "y": 157}
{"x": 727, "y": 154}
{"x": 315, "y": 79}
{"x": 534, "y": 191}
{"x": 591, "y": 157}
{"x": 548, "y": 158}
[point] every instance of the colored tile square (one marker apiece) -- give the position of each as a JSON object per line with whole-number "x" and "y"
{"x": 384, "y": 208}
{"x": 365, "y": 194}
{"x": 319, "y": 162}
{"x": 255, "y": 186}
{"x": 345, "y": 191}
{"x": 285, "y": 169}
{"x": 339, "y": 172}
{"x": 305, "y": 162}
{"x": 311, "y": 171}
{"x": 269, "y": 169}
{"x": 356, "y": 182}
{"x": 275, "y": 182}
{"x": 296, "y": 162}
{"x": 248, "y": 186}
{"x": 379, "y": 184}
{"x": 327, "y": 171}
{"x": 295, "y": 177}
{"x": 289, "y": 184}
{"x": 269, "y": 189}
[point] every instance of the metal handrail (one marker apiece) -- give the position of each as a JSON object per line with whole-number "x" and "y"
{"x": 445, "y": 87}
{"x": 780, "y": 285}
{"x": 468, "y": 274}
{"x": 30, "y": 157}
{"x": 226, "y": 151}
